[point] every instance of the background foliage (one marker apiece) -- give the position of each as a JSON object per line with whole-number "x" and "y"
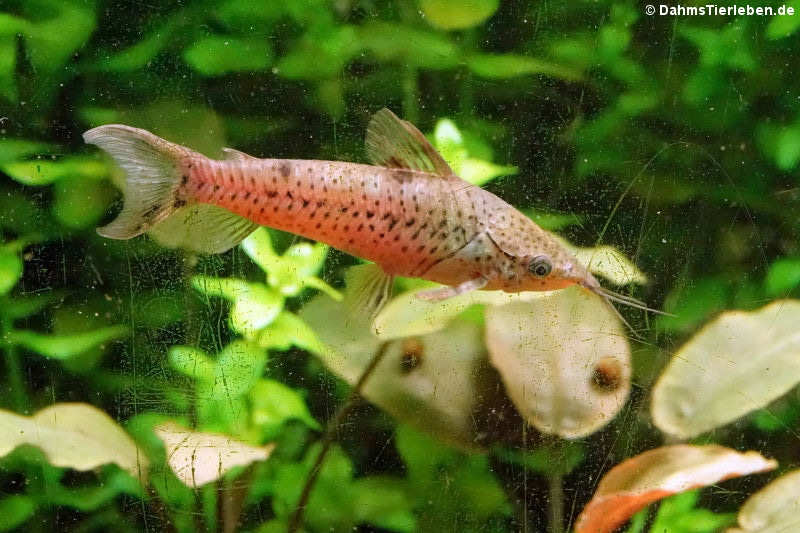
{"x": 675, "y": 139}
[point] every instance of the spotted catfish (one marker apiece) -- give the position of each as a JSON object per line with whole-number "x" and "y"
{"x": 408, "y": 212}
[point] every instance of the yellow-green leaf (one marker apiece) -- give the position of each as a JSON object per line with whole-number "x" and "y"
{"x": 197, "y": 458}
{"x": 739, "y": 362}
{"x": 73, "y": 435}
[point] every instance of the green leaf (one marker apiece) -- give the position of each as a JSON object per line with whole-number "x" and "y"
{"x": 80, "y": 202}
{"x": 320, "y": 54}
{"x": 68, "y": 345}
{"x": 558, "y": 459}
{"x": 73, "y": 435}
{"x": 273, "y": 403}
{"x": 140, "y": 54}
{"x": 783, "y": 276}
{"x": 679, "y": 515}
{"x": 457, "y": 14}
{"x": 13, "y": 149}
{"x": 784, "y": 25}
{"x": 289, "y": 330}
{"x": 46, "y": 171}
{"x": 450, "y": 142}
{"x": 192, "y": 362}
{"x": 15, "y": 510}
{"x": 408, "y": 45}
{"x": 503, "y": 66}
{"x": 239, "y": 366}
{"x": 217, "y": 55}
{"x": 294, "y": 270}
{"x": 10, "y": 269}
{"x": 255, "y": 305}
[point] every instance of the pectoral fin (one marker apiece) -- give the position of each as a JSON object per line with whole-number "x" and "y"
{"x": 443, "y": 293}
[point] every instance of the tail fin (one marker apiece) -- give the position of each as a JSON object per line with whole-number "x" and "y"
{"x": 152, "y": 181}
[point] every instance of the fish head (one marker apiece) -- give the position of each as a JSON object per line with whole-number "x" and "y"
{"x": 552, "y": 269}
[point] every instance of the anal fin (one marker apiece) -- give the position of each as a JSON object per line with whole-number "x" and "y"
{"x": 202, "y": 228}
{"x": 368, "y": 289}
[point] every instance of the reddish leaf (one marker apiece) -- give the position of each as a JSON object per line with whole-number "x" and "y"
{"x": 656, "y": 474}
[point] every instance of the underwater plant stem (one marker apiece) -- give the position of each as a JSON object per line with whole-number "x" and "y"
{"x": 555, "y": 510}
{"x": 296, "y": 519}
{"x": 410, "y": 96}
{"x": 16, "y": 382}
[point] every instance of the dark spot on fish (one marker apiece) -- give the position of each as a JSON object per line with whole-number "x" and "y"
{"x": 397, "y": 237}
{"x": 261, "y": 210}
{"x": 305, "y": 203}
{"x": 372, "y": 227}
{"x": 272, "y": 194}
{"x": 319, "y": 225}
{"x": 410, "y": 222}
{"x": 184, "y": 179}
{"x": 393, "y": 223}
{"x": 216, "y": 188}
{"x": 343, "y": 209}
{"x": 387, "y": 215}
{"x": 360, "y": 227}
{"x": 285, "y": 170}
{"x": 320, "y": 203}
{"x": 289, "y": 195}
{"x": 350, "y": 241}
{"x": 404, "y": 249}
{"x": 327, "y": 214}
{"x": 312, "y": 215}
{"x": 355, "y": 214}
{"x": 420, "y": 248}
{"x": 178, "y": 203}
{"x": 370, "y": 214}
{"x": 381, "y": 236}
{"x": 247, "y": 195}
{"x": 346, "y": 227}
{"x": 233, "y": 197}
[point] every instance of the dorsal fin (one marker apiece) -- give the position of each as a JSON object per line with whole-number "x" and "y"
{"x": 229, "y": 154}
{"x": 395, "y": 143}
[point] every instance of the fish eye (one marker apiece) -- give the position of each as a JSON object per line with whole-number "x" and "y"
{"x": 540, "y": 266}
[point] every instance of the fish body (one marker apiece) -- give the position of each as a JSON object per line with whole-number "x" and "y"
{"x": 408, "y": 212}
{"x": 411, "y": 223}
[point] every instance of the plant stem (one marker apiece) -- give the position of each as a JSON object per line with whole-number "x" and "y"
{"x": 296, "y": 519}
{"x": 16, "y": 381}
{"x": 555, "y": 518}
{"x": 410, "y": 96}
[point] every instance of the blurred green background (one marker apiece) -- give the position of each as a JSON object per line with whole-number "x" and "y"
{"x": 676, "y": 139}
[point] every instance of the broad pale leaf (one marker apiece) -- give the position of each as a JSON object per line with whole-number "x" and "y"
{"x": 73, "y": 435}
{"x": 656, "y": 474}
{"x": 564, "y": 359}
{"x": 440, "y": 383}
{"x": 739, "y": 362}
{"x": 198, "y": 458}
{"x": 773, "y": 509}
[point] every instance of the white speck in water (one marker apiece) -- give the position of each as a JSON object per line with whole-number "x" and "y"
{"x": 664, "y": 241}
